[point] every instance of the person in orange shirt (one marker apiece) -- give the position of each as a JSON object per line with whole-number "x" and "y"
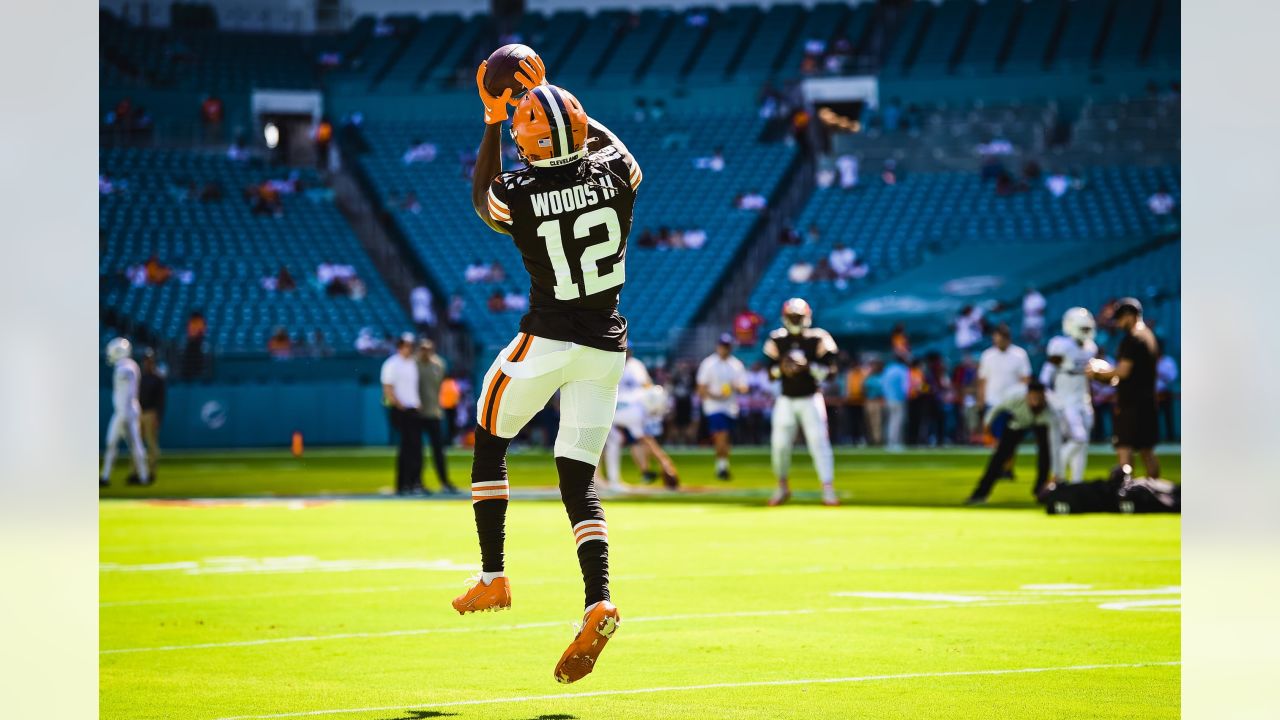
{"x": 450, "y": 396}
{"x": 157, "y": 272}
{"x": 855, "y": 401}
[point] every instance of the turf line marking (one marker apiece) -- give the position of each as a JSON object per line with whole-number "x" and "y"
{"x": 715, "y": 686}
{"x": 566, "y": 625}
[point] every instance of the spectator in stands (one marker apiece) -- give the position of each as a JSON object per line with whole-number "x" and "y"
{"x": 889, "y": 173}
{"x": 1033, "y": 305}
{"x": 1057, "y": 184}
{"x": 789, "y": 236}
{"x": 647, "y": 239}
{"x": 1007, "y": 185}
{"x": 694, "y": 238}
{"x": 367, "y": 343}
{"x": 420, "y": 152}
{"x": 746, "y": 327}
{"x": 751, "y": 200}
{"x": 991, "y": 168}
{"x": 1166, "y": 374}
{"x": 151, "y": 393}
{"x": 264, "y": 199}
{"x": 238, "y": 151}
{"x": 457, "y": 310}
{"x": 497, "y": 273}
{"x": 894, "y": 386}
{"x": 968, "y": 327}
{"x": 424, "y": 316}
{"x": 279, "y": 345}
{"x": 285, "y": 281}
{"x": 1161, "y": 203}
{"x": 497, "y": 302}
{"x": 824, "y": 172}
{"x": 641, "y": 105}
{"x": 515, "y": 301}
{"x": 800, "y": 272}
{"x": 410, "y": 203}
{"x": 1031, "y": 171}
{"x": 322, "y": 140}
{"x": 211, "y": 116}
{"x": 157, "y": 272}
{"x": 431, "y": 377}
{"x": 477, "y": 272}
{"x": 714, "y": 162}
{"x": 845, "y": 265}
{"x": 319, "y": 346}
{"x": 847, "y": 165}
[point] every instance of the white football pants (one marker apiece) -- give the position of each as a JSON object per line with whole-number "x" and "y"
{"x": 1075, "y": 423}
{"x": 530, "y": 370}
{"x": 810, "y": 413}
{"x": 125, "y": 426}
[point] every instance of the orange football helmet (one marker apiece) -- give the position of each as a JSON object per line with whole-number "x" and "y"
{"x": 549, "y": 127}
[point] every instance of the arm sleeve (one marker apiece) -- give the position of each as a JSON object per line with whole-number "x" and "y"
{"x": 703, "y": 374}
{"x": 634, "y": 172}
{"x": 1047, "y": 373}
{"x": 1025, "y": 364}
{"x": 497, "y": 199}
{"x": 772, "y": 357}
{"x": 388, "y": 377}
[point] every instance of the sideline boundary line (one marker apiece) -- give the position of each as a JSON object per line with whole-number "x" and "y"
{"x": 714, "y": 686}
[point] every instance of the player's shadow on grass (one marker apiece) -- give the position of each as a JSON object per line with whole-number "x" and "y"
{"x": 423, "y": 714}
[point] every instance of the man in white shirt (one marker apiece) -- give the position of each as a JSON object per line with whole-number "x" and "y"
{"x": 125, "y": 423}
{"x": 1003, "y": 373}
{"x": 721, "y": 379}
{"x": 847, "y": 165}
{"x": 968, "y": 327}
{"x": 400, "y": 395}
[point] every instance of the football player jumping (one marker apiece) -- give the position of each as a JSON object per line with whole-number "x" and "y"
{"x": 801, "y": 357}
{"x": 568, "y": 213}
{"x": 1069, "y": 355}
{"x": 126, "y": 416}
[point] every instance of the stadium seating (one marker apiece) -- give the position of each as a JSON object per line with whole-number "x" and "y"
{"x": 893, "y": 228}
{"x": 1160, "y": 292}
{"x": 229, "y": 250}
{"x": 665, "y": 288}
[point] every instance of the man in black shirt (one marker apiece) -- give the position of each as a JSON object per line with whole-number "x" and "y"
{"x": 1136, "y": 425}
{"x": 151, "y": 400}
{"x": 568, "y": 213}
{"x": 801, "y": 357}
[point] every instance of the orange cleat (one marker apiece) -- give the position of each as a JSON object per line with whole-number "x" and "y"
{"x": 598, "y": 626}
{"x": 484, "y": 598}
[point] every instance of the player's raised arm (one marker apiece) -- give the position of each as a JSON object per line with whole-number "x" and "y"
{"x": 599, "y": 136}
{"x": 489, "y": 156}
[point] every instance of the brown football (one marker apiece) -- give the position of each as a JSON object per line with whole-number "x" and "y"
{"x": 501, "y": 68}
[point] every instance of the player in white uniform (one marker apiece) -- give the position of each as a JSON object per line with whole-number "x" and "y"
{"x": 639, "y": 402}
{"x": 1069, "y": 355}
{"x": 126, "y": 414}
{"x": 721, "y": 379}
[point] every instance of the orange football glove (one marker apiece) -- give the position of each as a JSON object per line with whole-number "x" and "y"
{"x": 495, "y": 108}
{"x": 535, "y": 73}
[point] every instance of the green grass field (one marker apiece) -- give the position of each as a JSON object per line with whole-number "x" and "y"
{"x": 897, "y": 605}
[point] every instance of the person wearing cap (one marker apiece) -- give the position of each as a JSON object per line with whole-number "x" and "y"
{"x": 721, "y": 379}
{"x": 430, "y": 378}
{"x": 1134, "y": 376}
{"x": 1025, "y": 413}
{"x": 400, "y": 394}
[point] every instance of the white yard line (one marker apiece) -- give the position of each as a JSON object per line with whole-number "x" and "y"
{"x": 566, "y": 625}
{"x": 713, "y": 686}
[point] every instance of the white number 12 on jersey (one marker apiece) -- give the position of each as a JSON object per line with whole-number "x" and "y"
{"x": 592, "y": 281}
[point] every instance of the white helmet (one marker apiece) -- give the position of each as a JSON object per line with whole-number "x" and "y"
{"x": 796, "y": 315}
{"x": 1078, "y": 323}
{"x": 655, "y": 401}
{"x": 118, "y": 349}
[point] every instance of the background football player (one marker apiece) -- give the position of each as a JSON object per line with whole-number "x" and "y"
{"x": 1069, "y": 356}
{"x": 569, "y": 213}
{"x": 125, "y": 423}
{"x": 640, "y": 402}
{"x": 800, "y": 357}
{"x": 721, "y": 379}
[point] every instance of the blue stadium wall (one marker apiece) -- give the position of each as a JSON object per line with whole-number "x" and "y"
{"x": 265, "y": 415}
